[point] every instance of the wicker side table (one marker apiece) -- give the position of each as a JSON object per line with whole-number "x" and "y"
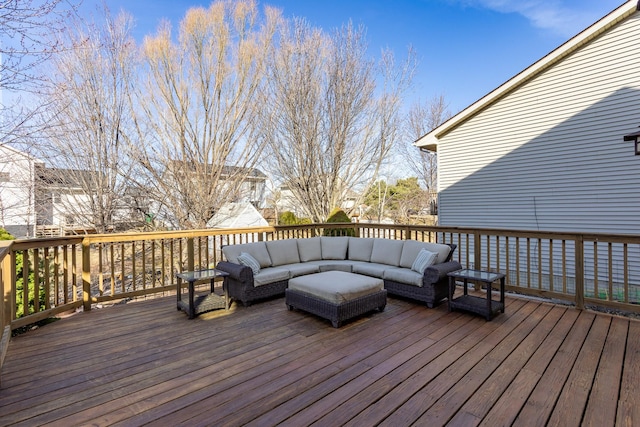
{"x": 201, "y": 303}
{"x": 486, "y": 307}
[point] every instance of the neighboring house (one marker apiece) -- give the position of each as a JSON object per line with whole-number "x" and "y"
{"x": 244, "y": 184}
{"x": 287, "y": 202}
{"x": 545, "y": 150}
{"x": 62, "y": 201}
{"x": 37, "y": 200}
{"x": 17, "y": 191}
{"x": 237, "y": 215}
{"x": 253, "y": 189}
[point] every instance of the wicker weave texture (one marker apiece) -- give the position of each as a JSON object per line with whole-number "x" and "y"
{"x": 431, "y": 294}
{"x": 336, "y": 313}
{"x": 256, "y": 293}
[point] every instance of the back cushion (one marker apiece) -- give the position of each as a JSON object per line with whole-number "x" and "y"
{"x": 387, "y": 251}
{"x": 334, "y": 247}
{"x": 412, "y": 247}
{"x": 258, "y": 250}
{"x": 283, "y": 252}
{"x": 309, "y": 249}
{"x": 360, "y": 249}
{"x": 410, "y": 252}
{"x": 442, "y": 250}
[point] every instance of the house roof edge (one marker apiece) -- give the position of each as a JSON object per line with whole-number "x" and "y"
{"x": 430, "y": 140}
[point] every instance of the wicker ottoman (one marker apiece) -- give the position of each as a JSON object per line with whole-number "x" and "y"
{"x": 336, "y": 295}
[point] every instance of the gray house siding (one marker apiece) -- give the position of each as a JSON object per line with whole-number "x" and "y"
{"x": 545, "y": 152}
{"x": 549, "y": 155}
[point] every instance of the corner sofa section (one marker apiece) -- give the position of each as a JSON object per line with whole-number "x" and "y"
{"x": 387, "y": 259}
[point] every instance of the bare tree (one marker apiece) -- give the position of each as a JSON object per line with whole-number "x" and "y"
{"x": 89, "y": 122}
{"x": 332, "y": 113}
{"x": 26, "y": 27}
{"x": 198, "y": 109}
{"x": 422, "y": 118}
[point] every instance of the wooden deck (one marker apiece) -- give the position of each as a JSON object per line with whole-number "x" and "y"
{"x": 145, "y": 362}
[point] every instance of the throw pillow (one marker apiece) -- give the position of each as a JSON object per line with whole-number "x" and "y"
{"x": 424, "y": 260}
{"x": 246, "y": 259}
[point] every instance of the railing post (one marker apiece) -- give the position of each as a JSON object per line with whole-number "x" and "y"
{"x": 6, "y": 285}
{"x": 579, "y": 268}
{"x": 407, "y": 233}
{"x": 190, "y": 254}
{"x": 477, "y": 248}
{"x": 86, "y": 275}
{"x": 477, "y": 257}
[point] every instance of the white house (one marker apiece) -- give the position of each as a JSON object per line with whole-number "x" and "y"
{"x": 545, "y": 150}
{"x": 17, "y": 191}
{"x": 237, "y": 215}
{"x": 63, "y": 199}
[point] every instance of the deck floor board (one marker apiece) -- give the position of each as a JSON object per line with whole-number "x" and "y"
{"x": 147, "y": 363}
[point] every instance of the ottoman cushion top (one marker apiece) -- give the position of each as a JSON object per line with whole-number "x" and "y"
{"x": 336, "y": 286}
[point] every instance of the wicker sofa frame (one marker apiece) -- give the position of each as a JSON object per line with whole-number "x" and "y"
{"x": 241, "y": 288}
{"x": 434, "y": 287}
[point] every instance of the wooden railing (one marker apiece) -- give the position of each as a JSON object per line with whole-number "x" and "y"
{"x": 81, "y": 271}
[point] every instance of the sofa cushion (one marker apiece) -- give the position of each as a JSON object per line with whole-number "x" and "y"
{"x": 283, "y": 252}
{"x": 403, "y": 275}
{"x": 334, "y": 247}
{"x": 387, "y": 251}
{"x": 412, "y": 247}
{"x": 258, "y": 250}
{"x": 333, "y": 265}
{"x": 270, "y": 275}
{"x": 246, "y": 259}
{"x": 370, "y": 269}
{"x": 309, "y": 249}
{"x": 300, "y": 269}
{"x": 360, "y": 249}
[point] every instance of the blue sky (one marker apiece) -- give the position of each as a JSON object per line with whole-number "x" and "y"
{"x": 466, "y": 48}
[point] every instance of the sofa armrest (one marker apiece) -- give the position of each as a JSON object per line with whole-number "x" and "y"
{"x": 438, "y": 272}
{"x": 238, "y": 272}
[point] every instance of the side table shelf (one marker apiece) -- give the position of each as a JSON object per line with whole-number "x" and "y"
{"x": 196, "y": 304}
{"x": 486, "y": 307}
{"x": 202, "y": 303}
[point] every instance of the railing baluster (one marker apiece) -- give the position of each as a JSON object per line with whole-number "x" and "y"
{"x": 539, "y": 264}
{"x": 551, "y": 286}
{"x": 610, "y": 255}
{"x": 596, "y": 294}
{"x": 100, "y": 269}
{"x": 143, "y": 267}
{"x": 36, "y": 280}
{"x": 74, "y": 273}
{"x": 625, "y": 257}
{"x": 25, "y": 282}
{"x": 47, "y": 279}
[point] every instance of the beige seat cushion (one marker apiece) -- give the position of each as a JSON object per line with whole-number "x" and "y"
{"x": 336, "y": 286}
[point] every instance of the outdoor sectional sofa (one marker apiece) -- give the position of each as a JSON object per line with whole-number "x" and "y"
{"x": 271, "y": 264}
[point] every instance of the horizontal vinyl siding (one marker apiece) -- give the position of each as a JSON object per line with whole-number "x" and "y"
{"x": 550, "y": 155}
